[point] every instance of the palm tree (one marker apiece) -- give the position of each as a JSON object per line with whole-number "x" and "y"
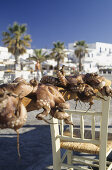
{"x": 58, "y": 52}
{"x": 80, "y": 51}
{"x": 16, "y": 40}
{"x": 38, "y": 56}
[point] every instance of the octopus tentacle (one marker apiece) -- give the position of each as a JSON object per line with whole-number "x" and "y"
{"x": 61, "y": 115}
{"x": 62, "y": 70}
{"x": 62, "y": 78}
{"x": 50, "y": 80}
{"x": 18, "y": 144}
{"x": 98, "y": 82}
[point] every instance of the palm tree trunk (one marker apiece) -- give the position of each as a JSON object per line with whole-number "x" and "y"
{"x": 58, "y": 64}
{"x": 80, "y": 64}
{"x": 16, "y": 59}
{"x": 17, "y": 63}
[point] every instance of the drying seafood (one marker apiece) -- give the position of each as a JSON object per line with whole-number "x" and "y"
{"x": 13, "y": 113}
{"x": 46, "y": 96}
{"x": 93, "y": 79}
{"x": 71, "y": 83}
{"x": 66, "y": 82}
{"x": 19, "y": 87}
{"x": 61, "y": 115}
{"x": 83, "y": 86}
{"x": 86, "y": 94}
{"x": 99, "y": 83}
{"x": 49, "y": 98}
{"x": 51, "y": 80}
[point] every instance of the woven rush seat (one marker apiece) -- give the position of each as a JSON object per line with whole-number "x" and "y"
{"x": 85, "y": 147}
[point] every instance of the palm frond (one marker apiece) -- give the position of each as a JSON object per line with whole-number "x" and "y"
{"x": 23, "y": 28}
{"x": 10, "y": 29}
{"x": 27, "y": 38}
{"x": 5, "y": 34}
{"x": 33, "y": 58}
{"x": 16, "y": 40}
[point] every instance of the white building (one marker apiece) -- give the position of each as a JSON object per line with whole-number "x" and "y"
{"x": 4, "y": 54}
{"x": 7, "y": 58}
{"x": 99, "y": 56}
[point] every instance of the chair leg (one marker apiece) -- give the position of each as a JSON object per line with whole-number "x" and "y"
{"x": 55, "y": 145}
{"x": 56, "y": 159}
{"x": 102, "y": 161}
{"x": 69, "y": 158}
{"x": 103, "y": 135}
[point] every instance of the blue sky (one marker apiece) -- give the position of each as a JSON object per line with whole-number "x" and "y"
{"x": 67, "y": 21}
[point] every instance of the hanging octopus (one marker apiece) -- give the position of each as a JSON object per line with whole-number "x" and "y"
{"x": 19, "y": 86}
{"x": 99, "y": 83}
{"x": 66, "y": 82}
{"x": 78, "y": 85}
{"x": 13, "y": 113}
{"x": 51, "y": 100}
{"x": 51, "y": 80}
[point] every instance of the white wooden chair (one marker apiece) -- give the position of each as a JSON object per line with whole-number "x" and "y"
{"x": 87, "y": 141}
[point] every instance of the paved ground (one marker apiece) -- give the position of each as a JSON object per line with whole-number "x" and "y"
{"x": 35, "y": 145}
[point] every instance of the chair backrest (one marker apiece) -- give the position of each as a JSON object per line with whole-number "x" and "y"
{"x": 58, "y": 128}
